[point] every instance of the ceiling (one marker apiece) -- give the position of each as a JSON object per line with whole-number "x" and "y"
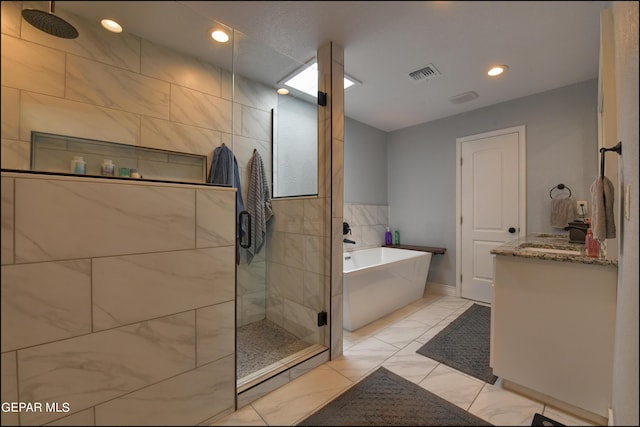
{"x": 546, "y": 45}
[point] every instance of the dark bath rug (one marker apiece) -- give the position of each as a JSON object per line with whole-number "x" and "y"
{"x": 541, "y": 420}
{"x": 386, "y": 399}
{"x": 464, "y": 344}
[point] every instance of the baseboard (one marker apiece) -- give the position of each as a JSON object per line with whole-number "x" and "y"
{"x": 611, "y": 422}
{"x": 441, "y": 289}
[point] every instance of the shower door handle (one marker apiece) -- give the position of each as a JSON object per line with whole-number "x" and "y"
{"x": 246, "y": 215}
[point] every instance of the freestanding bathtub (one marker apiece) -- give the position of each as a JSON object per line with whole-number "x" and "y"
{"x": 378, "y": 281}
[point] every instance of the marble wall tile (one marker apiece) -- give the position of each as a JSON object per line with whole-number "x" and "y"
{"x": 32, "y": 67}
{"x": 254, "y": 307}
{"x": 252, "y": 277}
{"x": 6, "y": 217}
{"x": 288, "y": 216}
{"x": 45, "y": 302}
{"x": 237, "y": 119}
{"x": 256, "y": 123}
{"x": 337, "y": 177}
{"x": 286, "y": 282}
{"x": 11, "y": 18}
{"x": 215, "y": 332}
{"x": 106, "y": 219}
{"x": 337, "y": 101}
{"x": 250, "y": 93}
{"x": 383, "y": 215}
{"x": 275, "y": 308}
{"x": 10, "y": 110}
{"x": 106, "y": 86}
{"x": 186, "y": 399}
{"x": 166, "y": 135}
{"x": 312, "y": 295}
{"x": 59, "y": 116}
{"x": 373, "y": 236}
{"x": 94, "y": 43}
{"x": 91, "y": 369}
{"x": 301, "y": 321}
{"x": 287, "y": 249}
{"x": 215, "y": 217}
{"x": 313, "y": 219}
{"x": 15, "y": 154}
{"x": 9, "y": 382}
{"x": 336, "y": 257}
{"x": 175, "y": 67}
{"x": 82, "y": 418}
{"x": 313, "y": 254}
{"x": 132, "y": 288}
{"x": 195, "y": 108}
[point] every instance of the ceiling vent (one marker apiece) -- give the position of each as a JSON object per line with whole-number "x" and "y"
{"x": 463, "y": 97}
{"x": 425, "y": 73}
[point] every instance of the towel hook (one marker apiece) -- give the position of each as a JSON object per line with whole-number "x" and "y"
{"x": 617, "y": 148}
{"x": 560, "y": 187}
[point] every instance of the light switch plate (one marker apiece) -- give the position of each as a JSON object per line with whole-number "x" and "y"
{"x": 582, "y": 202}
{"x": 627, "y": 202}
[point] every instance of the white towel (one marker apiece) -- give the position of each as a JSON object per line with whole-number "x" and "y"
{"x": 563, "y": 211}
{"x": 602, "y": 221}
{"x": 258, "y": 204}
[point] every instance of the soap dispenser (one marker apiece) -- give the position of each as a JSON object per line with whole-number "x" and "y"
{"x": 387, "y": 237}
{"x": 592, "y": 245}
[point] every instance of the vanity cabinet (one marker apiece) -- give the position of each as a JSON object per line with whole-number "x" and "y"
{"x": 553, "y": 331}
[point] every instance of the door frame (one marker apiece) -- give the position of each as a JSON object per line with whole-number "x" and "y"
{"x": 522, "y": 188}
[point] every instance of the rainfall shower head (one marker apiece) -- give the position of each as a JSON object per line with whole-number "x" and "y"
{"x": 50, "y": 23}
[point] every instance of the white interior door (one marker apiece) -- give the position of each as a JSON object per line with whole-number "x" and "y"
{"x": 491, "y": 204}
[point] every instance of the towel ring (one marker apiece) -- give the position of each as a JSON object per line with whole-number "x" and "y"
{"x": 560, "y": 187}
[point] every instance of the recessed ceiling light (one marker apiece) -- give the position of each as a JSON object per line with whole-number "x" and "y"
{"x": 111, "y": 25}
{"x": 220, "y": 36}
{"x": 497, "y": 70}
{"x": 283, "y": 91}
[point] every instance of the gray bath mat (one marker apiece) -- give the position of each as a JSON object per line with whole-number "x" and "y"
{"x": 541, "y": 420}
{"x": 464, "y": 344}
{"x": 386, "y": 399}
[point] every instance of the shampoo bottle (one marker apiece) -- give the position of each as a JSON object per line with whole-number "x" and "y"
{"x": 387, "y": 237}
{"x": 397, "y": 237}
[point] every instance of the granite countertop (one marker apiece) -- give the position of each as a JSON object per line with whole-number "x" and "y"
{"x": 518, "y": 247}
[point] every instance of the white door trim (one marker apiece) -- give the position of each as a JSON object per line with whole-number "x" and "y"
{"x": 522, "y": 189}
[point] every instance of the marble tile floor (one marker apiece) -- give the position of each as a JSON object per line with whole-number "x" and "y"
{"x": 392, "y": 342}
{"x": 261, "y": 343}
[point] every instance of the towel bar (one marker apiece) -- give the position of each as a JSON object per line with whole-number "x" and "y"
{"x": 560, "y": 187}
{"x": 617, "y": 148}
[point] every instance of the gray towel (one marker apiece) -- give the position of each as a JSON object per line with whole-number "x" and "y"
{"x": 258, "y": 204}
{"x": 602, "y": 221}
{"x": 563, "y": 211}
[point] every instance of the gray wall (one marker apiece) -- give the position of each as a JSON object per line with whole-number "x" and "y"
{"x": 365, "y": 164}
{"x": 562, "y": 147}
{"x": 625, "y": 363}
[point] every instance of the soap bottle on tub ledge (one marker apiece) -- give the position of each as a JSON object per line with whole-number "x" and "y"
{"x": 396, "y": 240}
{"x": 387, "y": 237}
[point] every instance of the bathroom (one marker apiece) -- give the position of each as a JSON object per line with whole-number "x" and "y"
{"x": 407, "y": 162}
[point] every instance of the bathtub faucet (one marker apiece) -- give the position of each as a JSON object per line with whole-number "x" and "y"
{"x": 348, "y": 241}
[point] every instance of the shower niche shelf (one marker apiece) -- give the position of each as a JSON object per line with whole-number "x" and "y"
{"x": 53, "y": 154}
